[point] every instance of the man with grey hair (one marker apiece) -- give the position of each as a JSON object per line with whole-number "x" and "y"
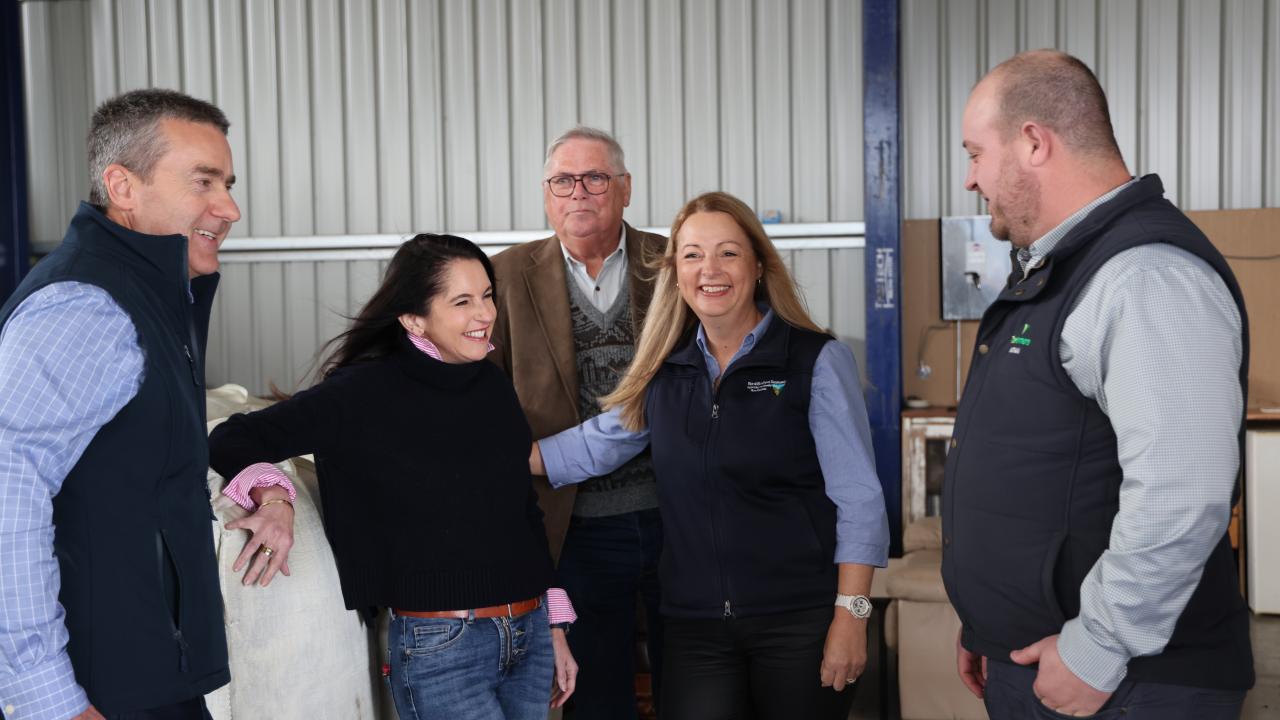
{"x": 570, "y": 308}
{"x": 1097, "y": 446}
{"x": 109, "y": 598}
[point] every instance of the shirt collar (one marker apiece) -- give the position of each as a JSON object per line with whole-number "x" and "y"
{"x": 615, "y": 256}
{"x": 749, "y": 341}
{"x": 428, "y": 347}
{"x": 1033, "y": 256}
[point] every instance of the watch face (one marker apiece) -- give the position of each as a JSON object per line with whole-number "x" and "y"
{"x": 860, "y": 606}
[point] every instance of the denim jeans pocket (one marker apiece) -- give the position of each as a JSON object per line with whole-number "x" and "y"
{"x": 424, "y": 636}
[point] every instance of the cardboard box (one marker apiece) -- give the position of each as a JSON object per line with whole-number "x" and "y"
{"x": 1250, "y": 240}
{"x": 922, "y": 323}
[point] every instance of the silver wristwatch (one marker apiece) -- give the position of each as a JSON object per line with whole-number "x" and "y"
{"x": 858, "y": 606}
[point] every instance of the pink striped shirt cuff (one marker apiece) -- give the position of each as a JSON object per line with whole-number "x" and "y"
{"x": 257, "y": 475}
{"x": 429, "y": 347}
{"x": 559, "y": 609}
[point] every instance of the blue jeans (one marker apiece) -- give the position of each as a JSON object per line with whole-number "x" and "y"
{"x": 481, "y": 669}
{"x": 605, "y": 564}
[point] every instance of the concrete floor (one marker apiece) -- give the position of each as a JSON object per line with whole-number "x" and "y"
{"x": 1262, "y": 703}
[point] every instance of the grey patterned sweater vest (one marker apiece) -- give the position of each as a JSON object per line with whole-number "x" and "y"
{"x": 604, "y": 344}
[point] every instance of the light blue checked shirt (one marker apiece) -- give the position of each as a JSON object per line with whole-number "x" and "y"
{"x": 837, "y": 419}
{"x": 1155, "y": 340}
{"x": 69, "y": 361}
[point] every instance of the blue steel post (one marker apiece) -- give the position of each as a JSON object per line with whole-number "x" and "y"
{"x": 882, "y": 122}
{"x": 14, "y": 248}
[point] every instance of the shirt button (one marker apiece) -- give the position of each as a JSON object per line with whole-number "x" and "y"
{"x": 982, "y": 349}
{"x": 8, "y": 710}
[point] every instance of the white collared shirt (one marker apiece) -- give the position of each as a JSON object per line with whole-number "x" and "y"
{"x": 603, "y": 289}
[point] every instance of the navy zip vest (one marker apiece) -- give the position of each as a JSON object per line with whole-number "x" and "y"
{"x": 1033, "y": 477}
{"x": 748, "y": 528}
{"x": 132, "y": 520}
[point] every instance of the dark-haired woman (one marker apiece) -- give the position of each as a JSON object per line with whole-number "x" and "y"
{"x": 422, "y": 456}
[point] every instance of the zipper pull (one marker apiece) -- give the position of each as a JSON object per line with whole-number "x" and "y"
{"x": 191, "y": 363}
{"x": 715, "y": 413}
{"x": 182, "y": 651}
{"x": 728, "y": 610}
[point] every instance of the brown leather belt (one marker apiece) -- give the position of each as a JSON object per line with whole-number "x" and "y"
{"x": 510, "y": 610}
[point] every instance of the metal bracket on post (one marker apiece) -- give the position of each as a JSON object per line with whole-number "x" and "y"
{"x": 14, "y": 243}
{"x": 883, "y": 202}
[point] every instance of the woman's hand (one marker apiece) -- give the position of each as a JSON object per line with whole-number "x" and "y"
{"x": 566, "y": 668}
{"x": 845, "y": 655}
{"x": 271, "y": 536}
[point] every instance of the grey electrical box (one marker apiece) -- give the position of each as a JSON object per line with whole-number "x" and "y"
{"x": 975, "y": 266}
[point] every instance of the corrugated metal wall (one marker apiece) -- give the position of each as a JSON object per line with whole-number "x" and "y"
{"x": 395, "y": 116}
{"x": 390, "y": 116}
{"x": 1193, "y": 85}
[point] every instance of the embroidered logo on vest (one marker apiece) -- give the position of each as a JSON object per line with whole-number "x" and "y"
{"x": 1020, "y": 340}
{"x": 756, "y": 386}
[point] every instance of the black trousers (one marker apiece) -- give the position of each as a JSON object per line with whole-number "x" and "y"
{"x": 193, "y": 709}
{"x": 754, "y": 668}
{"x": 1009, "y": 696}
{"x": 607, "y": 563}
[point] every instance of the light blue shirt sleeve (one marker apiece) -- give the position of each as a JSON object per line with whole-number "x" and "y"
{"x": 596, "y": 447}
{"x": 842, "y": 433}
{"x": 69, "y": 361}
{"x": 1176, "y": 415}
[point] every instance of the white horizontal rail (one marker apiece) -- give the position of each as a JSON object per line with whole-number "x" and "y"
{"x": 788, "y": 236}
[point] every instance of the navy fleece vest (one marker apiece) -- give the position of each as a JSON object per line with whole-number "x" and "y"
{"x": 132, "y": 520}
{"x": 1033, "y": 477}
{"x": 748, "y": 528}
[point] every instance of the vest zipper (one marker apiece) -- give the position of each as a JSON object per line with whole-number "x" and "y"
{"x": 715, "y": 502}
{"x": 162, "y": 561}
{"x": 191, "y": 363}
{"x": 190, "y": 322}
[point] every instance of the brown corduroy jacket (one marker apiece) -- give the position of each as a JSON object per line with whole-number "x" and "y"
{"x": 534, "y": 339}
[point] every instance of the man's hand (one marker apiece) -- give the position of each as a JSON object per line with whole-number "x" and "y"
{"x": 844, "y": 657}
{"x": 89, "y": 714}
{"x": 536, "y": 466}
{"x": 566, "y": 678}
{"x": 1056, "y": 686}
{"x": 972, "y": 667}
{"x": 269, "y": 527}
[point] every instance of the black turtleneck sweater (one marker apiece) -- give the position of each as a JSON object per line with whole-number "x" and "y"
{"x": 424, "y": 477}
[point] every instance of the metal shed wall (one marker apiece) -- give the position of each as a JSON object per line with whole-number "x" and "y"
{"x": 358, "y": 117}
{"x": 390, "y": 116}
{"x": 1193, "y": 85}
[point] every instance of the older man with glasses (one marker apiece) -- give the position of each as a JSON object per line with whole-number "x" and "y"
{"x": 570, "y": 309}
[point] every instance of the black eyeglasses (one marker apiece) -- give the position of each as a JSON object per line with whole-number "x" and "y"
{"x": 593, "y": 183}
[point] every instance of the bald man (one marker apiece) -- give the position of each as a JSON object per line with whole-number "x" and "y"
{"x": 1097, "y": 446}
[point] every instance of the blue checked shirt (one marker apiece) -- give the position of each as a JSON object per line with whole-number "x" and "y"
{"x": 69, "y": 361}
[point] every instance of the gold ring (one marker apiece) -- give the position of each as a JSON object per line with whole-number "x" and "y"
{"x": 267, "y": 551}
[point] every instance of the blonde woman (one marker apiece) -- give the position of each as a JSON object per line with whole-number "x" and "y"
{"x": 770, "y": 504}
